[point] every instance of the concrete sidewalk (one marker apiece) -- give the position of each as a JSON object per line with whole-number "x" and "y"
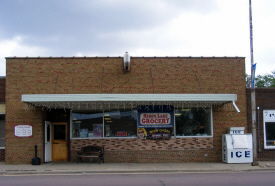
{"x": 122, "y": 168}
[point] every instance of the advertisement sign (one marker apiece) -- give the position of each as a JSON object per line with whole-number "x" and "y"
{"x": 155, "y": 116}
{"x": 121, "y": 134}
{"x": 97, "y": 130}
{"x": 23, "y": 131}
{"x": 237, "y": 148}
{"x": 154, "y": 134}
{"x": 155, "y": 122}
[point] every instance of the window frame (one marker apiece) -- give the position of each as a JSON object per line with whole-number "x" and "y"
{"x": 103, "y": 128}
{"x": 211, "y": 126}
{"x": 174, "y": 125}
{"x": 267, "y": 119}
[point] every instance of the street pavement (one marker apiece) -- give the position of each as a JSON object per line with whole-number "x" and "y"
{"x": 129, "y": 168}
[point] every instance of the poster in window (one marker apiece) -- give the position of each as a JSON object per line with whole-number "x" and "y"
{"x": 91, "y": 134}
{"x": 97, "y": 130}
{"x": 83, "y": 133}
{"x": 155, "y": 133}
{"x": 75, "y": 132}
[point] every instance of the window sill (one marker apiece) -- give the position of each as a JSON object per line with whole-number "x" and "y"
{"x": 106, "y": 138}
{"x": 193, "y": 137}
{"x": 270, "y": 148}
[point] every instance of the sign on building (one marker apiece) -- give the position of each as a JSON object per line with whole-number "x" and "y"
{"x": 23, "y": 131}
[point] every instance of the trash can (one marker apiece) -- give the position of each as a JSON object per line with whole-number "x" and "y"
{"x": 35, "y": 160}
{"x": 237, "y": 146}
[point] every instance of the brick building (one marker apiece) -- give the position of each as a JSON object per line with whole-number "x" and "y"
{"x": 181, "y": 105}
{"x": 265, "y": 122}
{"x": 2, "y": 118}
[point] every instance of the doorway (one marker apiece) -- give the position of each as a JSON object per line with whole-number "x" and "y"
{"x": 48, "y": 142}
{"x": 59, "y": 141}
{"x": 56, "y": 148}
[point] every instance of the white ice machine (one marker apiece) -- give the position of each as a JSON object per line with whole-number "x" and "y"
{"x": 237, "y": 146}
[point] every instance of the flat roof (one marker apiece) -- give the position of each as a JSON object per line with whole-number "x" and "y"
{"x": 93, "y": 57}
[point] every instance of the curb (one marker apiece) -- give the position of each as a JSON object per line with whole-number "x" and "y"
{"x": 50, "y": 172}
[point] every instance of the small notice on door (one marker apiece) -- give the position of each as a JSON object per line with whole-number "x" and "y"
{"x": 23, "y": 131}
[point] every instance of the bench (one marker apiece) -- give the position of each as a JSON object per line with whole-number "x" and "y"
{"x": 91, "y": 152}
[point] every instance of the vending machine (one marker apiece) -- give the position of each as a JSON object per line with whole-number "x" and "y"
{"x": 237, "y": 146}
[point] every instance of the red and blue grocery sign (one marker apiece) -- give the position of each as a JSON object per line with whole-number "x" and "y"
{"x": 155, "y": 116}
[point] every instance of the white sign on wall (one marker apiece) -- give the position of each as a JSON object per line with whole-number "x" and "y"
{"x": 23, "y": 131}
{"x": 269, "y": 129}
{"x": 269, "y": 115}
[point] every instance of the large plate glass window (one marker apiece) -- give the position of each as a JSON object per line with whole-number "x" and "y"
{"x": 120, "y": 123}
{"x": 116, "y": 123}
{"x": 269, "y": 129}
{"x": 193, "y": 122}
{"x": 87, "y": 124}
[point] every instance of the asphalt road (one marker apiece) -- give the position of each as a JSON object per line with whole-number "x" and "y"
{"x": 175, "y": 179}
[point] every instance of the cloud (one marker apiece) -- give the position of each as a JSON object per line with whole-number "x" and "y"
{"x": 189, "y": 34}
{"x": 141, "y": 27}
{"x": 66, "y": 26}
{"x": 16, "y": 47}
{"x": 68, "y": 17}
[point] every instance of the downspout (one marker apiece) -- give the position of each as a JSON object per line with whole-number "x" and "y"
{"x": 234, "y": 104}
{"x": 259, "y": 149}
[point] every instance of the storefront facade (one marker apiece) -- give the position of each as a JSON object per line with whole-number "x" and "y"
{"x": 156, "y": 110}
{"x": 265, "y": 122}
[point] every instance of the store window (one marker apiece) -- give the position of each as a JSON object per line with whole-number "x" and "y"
{"x": 270, "y": 134}
{"x": 2, "y": 131}
{"x": 269, "y": 129}
{"x": 124, "y": 123}
{"x": 193, "y": 122}
{"x": 87, "y": 124}
{"x": 120, "y": 123}
{"x": 115, "y": 123}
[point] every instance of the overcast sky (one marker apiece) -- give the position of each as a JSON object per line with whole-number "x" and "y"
{"x": 142, "y": 27}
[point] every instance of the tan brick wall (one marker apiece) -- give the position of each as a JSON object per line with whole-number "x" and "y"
{"x": 172, "y": 156}
{"x": 138, "y": 150}
{"x": 105, "y": 75}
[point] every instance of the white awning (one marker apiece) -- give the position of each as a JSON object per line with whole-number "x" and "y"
{"x": 100, "y": 101}
{"x": 32, "y": 98}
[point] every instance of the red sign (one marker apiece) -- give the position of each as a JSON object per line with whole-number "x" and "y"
{"x": 155, "y": 118}
{"x": 121, "y": 134}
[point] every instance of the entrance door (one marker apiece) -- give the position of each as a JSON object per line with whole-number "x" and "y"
{"x": 59, "y": 142}
{"x": 48, "y": 142}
